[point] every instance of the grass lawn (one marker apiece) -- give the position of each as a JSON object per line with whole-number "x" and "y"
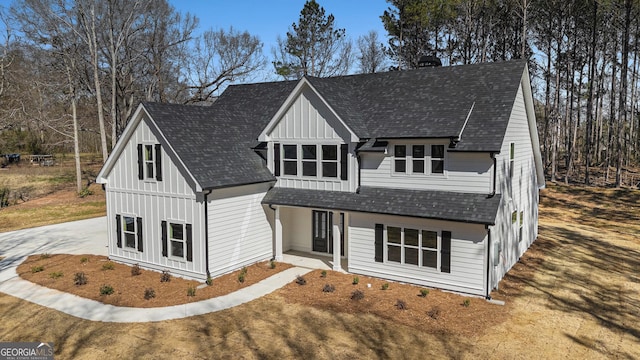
{"x": 575, "y": 294}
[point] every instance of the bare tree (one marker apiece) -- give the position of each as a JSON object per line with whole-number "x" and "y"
{"x": 372, "y": 55}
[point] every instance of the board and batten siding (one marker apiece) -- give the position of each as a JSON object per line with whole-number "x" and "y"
{"x": 519, "y": 193}
{"x": 468, "y": 253}
{"x": 308, "y": 121}
{"x": 239, "y": 229}
{"x": 463, "y": 172}
{"x": 171, "y": 199}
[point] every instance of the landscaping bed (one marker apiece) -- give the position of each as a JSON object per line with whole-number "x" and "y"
{"x": 115, "y": 284}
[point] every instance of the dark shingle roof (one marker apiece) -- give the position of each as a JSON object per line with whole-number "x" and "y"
{"x": 441, "y": 205}
{"x": 215, "y": 142}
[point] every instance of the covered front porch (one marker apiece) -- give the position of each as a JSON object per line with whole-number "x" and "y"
{"x": 311, "y": 260}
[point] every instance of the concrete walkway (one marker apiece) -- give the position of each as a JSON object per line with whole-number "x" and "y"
{"x": 89, "y": 237}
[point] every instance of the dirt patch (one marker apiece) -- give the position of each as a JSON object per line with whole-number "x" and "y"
{"x": 438, "y": 312}
{"x": 58, "y": 272}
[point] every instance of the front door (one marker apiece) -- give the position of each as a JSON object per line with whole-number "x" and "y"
{"x": 322, "y": 224}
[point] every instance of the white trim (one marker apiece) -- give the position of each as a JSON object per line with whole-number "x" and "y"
{"x": 297, "y": 91}
{"x": 466, "y": 121}
{"x": 533, "y": 127}
{"x": 183, "y": 240}
{"x": 123, "y": 232}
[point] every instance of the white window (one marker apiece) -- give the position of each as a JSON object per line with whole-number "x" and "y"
{"x": 177, "y": 240}
{"x": 290, "y": 159}
{"x": 330, "y": 161}
{"x": 437, "y": 159}
{"x": 418, "y": 161}
{"x": 309, "y": 160}
{"x": 521, "y": 226}
{"x": 512, "y": 155}
{"x": 400, "y": 161}
{"x": 149, "y": 161}
{"x": 130, "y": 232}
{"x": 412, "y": 246}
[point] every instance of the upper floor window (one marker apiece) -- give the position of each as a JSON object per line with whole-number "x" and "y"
{"x": 290, "y": 159}
{"x": 149, "y": 162}
{"x": 512, "y": 156}
{"x": 309, "y": 160}
{"x": 437, "y": 159}
{"x": 330, "y": 161}
{"x": 418, "y": 159}
{"x": 414, "y": 159}
{"x": 325, "y": 161}
{"x": 400, "y": 153}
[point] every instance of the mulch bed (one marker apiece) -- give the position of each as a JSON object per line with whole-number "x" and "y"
{"x": 58, "y": 272}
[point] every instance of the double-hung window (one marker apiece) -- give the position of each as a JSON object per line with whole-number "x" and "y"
{"x": 418, "y": 159}
{"x": 330, "y": 161}
{"x": 512, "y": 155}
{"x": 309, "y": 160}
{"x": 129, "y": 232}
{"x": 437, "y": 159}
{"x": 148, "y": 161}
{"x": 400, "y": 161}
{"x": 177, "y": 240}
{"x": 290, "y": 159}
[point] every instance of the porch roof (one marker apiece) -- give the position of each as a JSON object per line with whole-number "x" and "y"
{"x": 429, "y": 204}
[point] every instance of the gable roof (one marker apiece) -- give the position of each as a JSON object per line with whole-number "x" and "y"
{"x": 215, "y": 143}
{"x": 430, "y": 204}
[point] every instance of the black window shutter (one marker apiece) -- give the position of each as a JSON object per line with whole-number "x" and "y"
{"x": 344, "y": 161}
{"x": 445, "y": 261}
{"x": 118, "y": 232}
{"x": 276, "y": 159}
{"x": 164, "y": 239}
{"x": 379, "y": 242}
{"x": 158, "y": 162}
{"x": 140, "y": 163}
{"x": 139, "y": 225}
{"x": 189, "y": 243}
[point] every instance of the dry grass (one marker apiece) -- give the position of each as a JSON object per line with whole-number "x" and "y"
{"x": 575, "y": 294}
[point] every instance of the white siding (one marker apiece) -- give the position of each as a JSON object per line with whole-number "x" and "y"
{"x": 154, "y": 201}
{"x": 518, "y": 194}
{"x": 239, "y": 230}
{"x": 309, "y": 121}
{"x": 463, "y": 172}
{"x": 468, "y": 250}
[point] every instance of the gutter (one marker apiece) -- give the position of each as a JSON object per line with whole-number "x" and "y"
{"x": 488, "y": 296}
{"x": 206, "y": 233}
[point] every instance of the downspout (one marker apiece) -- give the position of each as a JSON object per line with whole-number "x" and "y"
{"x": 359, "y": 173}
{"x": 206, "y": 232}
{"x": 495, "y": 174}
{"x": 488, "y": 296}
{"x": 274, "y": 216}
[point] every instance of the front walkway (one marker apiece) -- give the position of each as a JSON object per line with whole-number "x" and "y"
{"x": 89, "y": 237}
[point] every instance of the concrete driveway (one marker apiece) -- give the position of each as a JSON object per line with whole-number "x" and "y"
{"x": 76, "y": 237}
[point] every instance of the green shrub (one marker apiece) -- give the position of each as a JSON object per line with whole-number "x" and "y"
{"x": 37, "y": 269}
{"x": 357, "y": 295}
{"x": 149, "y": 293}
{"x": 106, "y": 290}
{"x": 356, "y": 280}
{"x": 56, "y": 274}
{"x": 108, "y": 266}
{"x": 84, "y": 193}
{"x": 84, "y": 260}
{"x": 165, "y": 277}
{"x": 191, "y": 291}
{"x": 328, "y": 288}
{"x": 209, "y": 281}
{"x": 323, "y": 273}
{"x": 272, "y": 264}
{"x": 80, "y": 278}
{"x": 135, "y": 270}
{"x": 385, "y": 286}
{"x": 241, "y": 277}
{"x": 401, "y": 305}
{"x": 45, "y": 256}
{"x": 466, "y": 302}
{"x": 424, "y": 292}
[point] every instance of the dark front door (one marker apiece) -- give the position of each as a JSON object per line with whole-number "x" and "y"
{"x": 322, "y": 223}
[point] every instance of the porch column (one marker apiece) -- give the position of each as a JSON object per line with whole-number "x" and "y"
{"x": 336, "y": 241}
{"x": 277, "y": 228}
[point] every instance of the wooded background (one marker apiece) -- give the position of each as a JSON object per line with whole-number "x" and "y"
{"x": 73, "y": 71}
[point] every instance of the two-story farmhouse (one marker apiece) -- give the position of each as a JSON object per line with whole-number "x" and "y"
{"x": 428, "y": 176}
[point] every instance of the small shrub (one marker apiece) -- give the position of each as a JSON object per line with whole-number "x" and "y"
{"x": 37, "y": 269}
{"x": 135, "y": 270}
{"x": 79, "y": 278}
{"x": 356, "y": 280}
{"x": 424, "y": 292}
{"x": 191, "y": 291}
{"x": 56, "y": 274}
{"x": 244, "y": 270}
{"x": 300, "y": 280}
{"x": 434, "y": 313}
{"x": 45, "y": 256}
{"x": 466, "y": 302}
{"x": 108, "y": 266}
{"x": 209, "y": 281}
{"x": 149, "y": 293}
{"x": 401, "y": 305}
{"x": 357, "y": 295}
{"x": 241, "y": 277}
{"x": 84, "y": 260}
{"x": 165, "y": 277}
{"x": 323, "y": 273}
{"x": 272, "y": 264}
{"x": 84, "y": 193}
{"x": 106, "y": 290}
{"x": 328, "y": 288}
{"x": 385, "y": 286}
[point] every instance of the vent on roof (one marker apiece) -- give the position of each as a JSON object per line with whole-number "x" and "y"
{"x": 429, "y": 61}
